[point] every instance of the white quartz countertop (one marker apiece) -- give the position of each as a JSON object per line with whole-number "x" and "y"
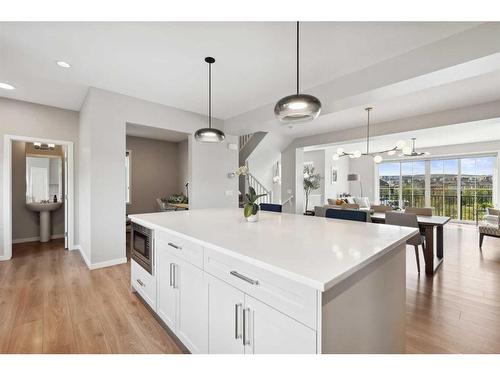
{"x": 314, "y": 251}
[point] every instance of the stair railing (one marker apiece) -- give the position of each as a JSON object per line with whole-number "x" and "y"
{"x": 244, "y": 139}
{"x": 259, "y": 189}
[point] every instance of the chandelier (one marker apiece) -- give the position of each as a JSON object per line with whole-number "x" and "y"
{"x": 377, "y": 155}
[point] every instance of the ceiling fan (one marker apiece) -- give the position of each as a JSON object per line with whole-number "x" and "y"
{"x": 411, "y": 151}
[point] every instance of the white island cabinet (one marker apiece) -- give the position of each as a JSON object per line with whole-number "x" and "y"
{"x": 284, "y": 284}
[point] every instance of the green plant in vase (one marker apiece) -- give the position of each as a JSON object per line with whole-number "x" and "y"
{"x": 251, "y": 208}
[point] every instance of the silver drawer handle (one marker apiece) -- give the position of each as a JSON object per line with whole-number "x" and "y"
{"x": 140, "y": 282}
{"x": 175, "y": 246}
{"x": 237, "y": 331}
{"x": 245, "y": 320}
{"x": 171, "y": 274}
{"x": 244, "y": 278}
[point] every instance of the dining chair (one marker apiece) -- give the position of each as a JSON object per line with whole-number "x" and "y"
{"x": 271, "y": 207}
{"x": 404, "y": 219}
{"x": 381, "y": 208}
{"x": 490, "y": 227}
{"x": 422, "y": 211}
{"x": 350, "y": 206}
{"x": 352, "y": 215}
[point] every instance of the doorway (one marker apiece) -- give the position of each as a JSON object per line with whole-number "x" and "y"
{"x": 50, "y": 192}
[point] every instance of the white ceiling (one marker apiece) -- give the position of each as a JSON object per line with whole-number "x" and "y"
{"x": 471, "y": 132}
{"x": 467, "y": 92}
{"x": 161, "y": 134}
{"x": 163, "y": 62}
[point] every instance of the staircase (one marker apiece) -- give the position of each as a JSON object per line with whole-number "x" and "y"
{"x": 248, "y": 143}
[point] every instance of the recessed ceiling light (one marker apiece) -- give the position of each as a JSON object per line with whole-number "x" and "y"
{"x": 6, "y": 86}
{"x": 63, "y": 64}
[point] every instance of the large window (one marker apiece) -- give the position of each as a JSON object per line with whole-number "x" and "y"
{"x": 390, "y": 182}
{"x": 461, "y": 188}
{"x": 413, "y": 184}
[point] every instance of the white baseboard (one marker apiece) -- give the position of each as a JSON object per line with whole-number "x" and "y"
{"x": 84, "y": 257}
{"x": 33, "y": 239}
{"x": 3, "y": 257}
{"x": 94, "y": 266}
{"x": 108, "y": 263}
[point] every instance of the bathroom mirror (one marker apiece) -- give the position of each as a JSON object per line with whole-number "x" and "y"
{"x": 43, "y": 178}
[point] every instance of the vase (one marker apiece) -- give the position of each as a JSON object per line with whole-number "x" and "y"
{"x": 253, "y": 218}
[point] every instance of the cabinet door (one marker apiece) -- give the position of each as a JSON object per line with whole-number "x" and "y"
{"x": 167, "y": 293}
{"x": 268, "y": 331}
{"x": 192, "y": 318}
{"x": 224, "y": 317}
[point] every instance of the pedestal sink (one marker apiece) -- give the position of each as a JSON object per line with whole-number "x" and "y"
{"x": 44, "y": 209}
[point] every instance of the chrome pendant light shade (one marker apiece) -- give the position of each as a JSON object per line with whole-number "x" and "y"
{"x": 297, "y": 107}
{"x": 209, "y": 135}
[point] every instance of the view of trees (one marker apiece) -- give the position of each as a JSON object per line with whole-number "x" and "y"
{"x": 459, "y": 188}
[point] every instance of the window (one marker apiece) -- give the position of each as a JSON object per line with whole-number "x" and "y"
{"x": 413, "y": 184}
{"x": 476, "y": 187}
{"x": 127, "y": 177}
{"x": 444, "y": 187}
{"x": 461, "y": 188}
{"x": 389, "y": 181}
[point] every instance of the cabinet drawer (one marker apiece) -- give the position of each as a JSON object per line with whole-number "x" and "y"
{"x": 184, "y": 249}
{"x": 291, "y": 298}
{"x": 144, "y": 283}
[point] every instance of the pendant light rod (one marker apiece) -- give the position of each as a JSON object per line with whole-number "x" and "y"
{"x": 297, "y": 57}
{"x": 368, "y": 109}
{"x": 210, "y": 61}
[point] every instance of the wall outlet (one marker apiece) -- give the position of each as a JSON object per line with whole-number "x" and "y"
{"x": 229, "y": 193}
{"x": 232, "y": 146}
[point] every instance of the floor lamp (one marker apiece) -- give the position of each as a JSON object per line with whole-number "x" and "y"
{"x": 355, "y": 177}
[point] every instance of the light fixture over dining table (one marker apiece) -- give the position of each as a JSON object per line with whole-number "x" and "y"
{"x": 377, "y": 155}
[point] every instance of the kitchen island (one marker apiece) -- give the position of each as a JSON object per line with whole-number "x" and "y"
{"x": 285, "y": 284}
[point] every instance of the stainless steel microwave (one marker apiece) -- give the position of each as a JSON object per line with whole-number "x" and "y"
{"x": 141, "y": 246}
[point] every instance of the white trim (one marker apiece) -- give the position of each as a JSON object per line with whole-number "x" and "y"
{"x": 37, "y": 238}
{"x": 7, "y": 189}
{"x": 108, "y": 263}
{"x": 84, "y": 257}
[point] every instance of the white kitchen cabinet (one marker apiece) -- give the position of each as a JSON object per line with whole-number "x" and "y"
{"x": 192, "y": 302}
{"x": 144, "y": 283}
{"x": 167, "y": 294}
{"x": 240, "y": 324}
{"x": 183, "y": 300}
{"x": 225, "y": 315}
{"x": 268, "y": 331}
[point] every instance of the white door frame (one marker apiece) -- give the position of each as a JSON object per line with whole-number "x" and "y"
{"x": 7, "y": 189}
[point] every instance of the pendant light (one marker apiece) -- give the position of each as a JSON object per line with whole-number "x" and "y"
{"x": 209, "y": 135}
{"x": 411, "y": 150}
{"x": 297, "y": 107}
{"x": 377, "y": 156}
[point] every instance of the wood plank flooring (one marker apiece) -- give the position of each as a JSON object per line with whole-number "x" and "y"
{"x": 51, "y": 303}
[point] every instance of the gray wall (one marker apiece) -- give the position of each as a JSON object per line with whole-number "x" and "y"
{"x": 34, "y": 120}
{"x": 25, "y": 223}
{"x": 102, "y": 135}
{"x": 155, "y": 171}
{"x": 183, "y": 165}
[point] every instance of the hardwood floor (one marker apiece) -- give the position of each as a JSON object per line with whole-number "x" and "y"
{"x": 51, "y": 303}
{"x": 457, "y": 310}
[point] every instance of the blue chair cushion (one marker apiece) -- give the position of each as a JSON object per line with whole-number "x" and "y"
{"x": 271, "y": 207}
{"x": 346, "y": 214}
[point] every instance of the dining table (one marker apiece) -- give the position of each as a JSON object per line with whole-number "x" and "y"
{"x": 433, "y": 255}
